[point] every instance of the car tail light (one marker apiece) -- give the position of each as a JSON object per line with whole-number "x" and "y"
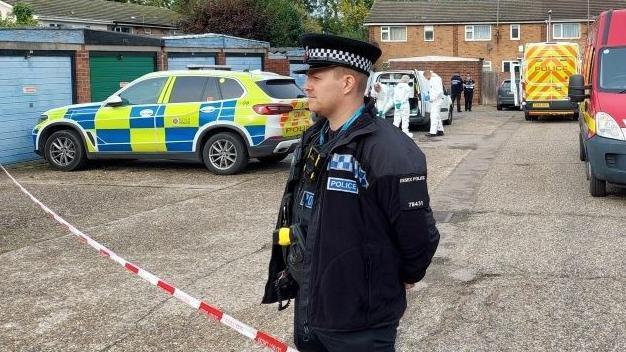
{"x": 272, "y": 109}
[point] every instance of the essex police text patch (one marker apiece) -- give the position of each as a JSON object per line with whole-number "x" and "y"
{"x": 413, "y": 192}
{"x": 342, "y": 185}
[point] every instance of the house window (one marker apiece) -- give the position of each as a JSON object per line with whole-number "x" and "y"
{"x": 486, "y": 66}
{"x": 515, "y": 32}
{"x": 478, "y": 32}
{"x": 429, "y": 33}
{"x": 122, "y": 29}
{"x": 147, "y": 31}
{"x": 393, "y": 34}
{"x": 507, "y": 64}
{"x": 566, "y": 31}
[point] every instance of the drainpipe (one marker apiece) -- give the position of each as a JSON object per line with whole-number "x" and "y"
{"x": 548, "y": 36}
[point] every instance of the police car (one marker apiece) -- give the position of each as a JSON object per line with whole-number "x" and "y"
{"x": 222, "y": 118}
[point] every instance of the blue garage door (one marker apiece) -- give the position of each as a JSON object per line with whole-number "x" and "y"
{"x": 28, "y": 87}
{"x": 240, "y": 63}
{"x": 181, "y": 62}
{"x": 299, "y": 77}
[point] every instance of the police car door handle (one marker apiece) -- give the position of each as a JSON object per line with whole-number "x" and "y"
{"x": 208, "y": 109}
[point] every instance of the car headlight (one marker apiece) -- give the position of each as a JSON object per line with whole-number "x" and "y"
{"x": 607, "y": 127}
{"x": 42, "y": 118}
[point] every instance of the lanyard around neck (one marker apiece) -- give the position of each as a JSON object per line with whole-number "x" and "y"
{"x": 345, "y": 126}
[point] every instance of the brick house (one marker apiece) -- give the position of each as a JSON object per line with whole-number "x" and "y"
{"x": 491, "y": 30}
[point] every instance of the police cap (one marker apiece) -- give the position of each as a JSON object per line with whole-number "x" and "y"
{"x": 325, "y": 50}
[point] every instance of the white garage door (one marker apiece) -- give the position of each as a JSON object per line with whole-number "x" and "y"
{"x": 181, "y": 62}
{"x": 28, "y": 87}
{"x": 240, "y": 63}
{"x": 299, "y": 77}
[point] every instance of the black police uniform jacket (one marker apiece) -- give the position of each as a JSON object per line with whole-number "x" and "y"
{"x": 372, "y": 227}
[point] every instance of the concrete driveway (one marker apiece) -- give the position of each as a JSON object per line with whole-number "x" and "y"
{"x": 528, "y": 259}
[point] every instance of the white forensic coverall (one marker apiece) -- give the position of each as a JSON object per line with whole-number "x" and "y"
{"x": 401, "y": 95}
{"x": 435, "y": 94}
{"x": 383, "y": 101}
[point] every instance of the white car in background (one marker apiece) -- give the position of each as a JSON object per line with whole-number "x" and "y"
{"x": 420, "y": 109}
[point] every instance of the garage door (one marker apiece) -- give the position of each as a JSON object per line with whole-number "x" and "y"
{"x": 181, "y": 62}
{"x": 109, "y": 72}
{"x": 299, "y": 77}
{"x": 28, "y": 87}
{"x": 240, "y": 63}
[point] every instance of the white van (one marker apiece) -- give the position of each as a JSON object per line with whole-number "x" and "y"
{"x": 420, "y": 110}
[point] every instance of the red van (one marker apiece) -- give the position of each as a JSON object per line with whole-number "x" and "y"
{"x": 603, "y": 108}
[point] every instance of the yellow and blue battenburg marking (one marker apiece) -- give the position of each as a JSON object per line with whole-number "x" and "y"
{"x": 348, "y": 163}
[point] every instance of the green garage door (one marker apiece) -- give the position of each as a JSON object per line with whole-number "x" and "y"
{"x": 109, "y": 72}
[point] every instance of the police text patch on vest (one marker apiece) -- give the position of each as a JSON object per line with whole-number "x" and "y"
{"x": 413, "y": 192}
{"x": 307, "y": 199}
{"x": 342, "y": 185}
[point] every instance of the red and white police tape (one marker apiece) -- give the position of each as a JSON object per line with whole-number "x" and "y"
{"x": 264, "y": 339}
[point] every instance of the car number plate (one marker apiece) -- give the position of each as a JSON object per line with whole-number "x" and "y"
{"x": 541, "y": 105}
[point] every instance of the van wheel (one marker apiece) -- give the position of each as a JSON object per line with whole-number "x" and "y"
{"x": 225, "y": 154}
{"x": 64, "y": 151}
{"x": 499, "y": 107}
{"x": 526, "y": 115}
{"x": 575, "y": 117}
{"x": 581, "y": 149}
{"x": 273, "y": 159}
{"x": 597, "y": 187}
{"x": 449, "y": 120}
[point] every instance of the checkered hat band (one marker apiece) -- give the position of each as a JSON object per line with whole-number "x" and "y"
{"x": 339, "y": 56}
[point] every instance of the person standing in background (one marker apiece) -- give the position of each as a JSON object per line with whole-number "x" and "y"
{"x": 401, "y": 95}
{"x": 380, "y": 92}
{"x": 435, "y": 96}
{"x": 456, "y": 88}
{"x": 468, "y": 91}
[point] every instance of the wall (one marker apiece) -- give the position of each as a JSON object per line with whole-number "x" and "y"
{"x": 83, "y": 83}
{"x": 445, "y": 69}
{"x": 277, "y": 64}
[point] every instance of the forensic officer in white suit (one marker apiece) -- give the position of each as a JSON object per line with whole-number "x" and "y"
{"x": 435, "y": 97}
{"x": 401, "y": 95}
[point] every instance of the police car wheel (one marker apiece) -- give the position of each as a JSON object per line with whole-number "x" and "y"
{"x": 272, "y": 159}
{"x": 225, "y": 154}
{"x": 64, "y": 151}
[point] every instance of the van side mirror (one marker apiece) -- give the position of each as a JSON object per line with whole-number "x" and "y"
{"x": 576, "y": 89}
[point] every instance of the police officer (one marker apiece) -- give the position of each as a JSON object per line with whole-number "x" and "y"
{"x": 468, "y": 91}
{"x": 355, "y": 228}
{"x": 456, "y": 88}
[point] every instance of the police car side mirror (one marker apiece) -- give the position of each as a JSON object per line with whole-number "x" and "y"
{"x": 114, "y": 100}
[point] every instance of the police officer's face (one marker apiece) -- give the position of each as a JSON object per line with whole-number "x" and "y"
{"x": 324, "y": 90}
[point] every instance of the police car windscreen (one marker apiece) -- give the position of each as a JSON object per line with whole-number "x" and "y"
{"x": 613, "y": 69}
{"x": 281, "y": 89}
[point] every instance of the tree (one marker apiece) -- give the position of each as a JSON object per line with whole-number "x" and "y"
{"x": 22, "y": 16}
{"x": 281, "y": 22}
{"x": 241, "y": 18}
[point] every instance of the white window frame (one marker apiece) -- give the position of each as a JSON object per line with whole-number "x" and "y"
{"x": 519, "y": 31}
{"x": 511, "y": 62}
{"x": 387, "y": 30}
{"x": 120, "y": 29}
{"x": 429, "y": 29}
{"x": 470, "y": 29}
{"x": 147, "y": 31}
{"x": 487, "y": 64}
{"x": 554, "y": 27}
